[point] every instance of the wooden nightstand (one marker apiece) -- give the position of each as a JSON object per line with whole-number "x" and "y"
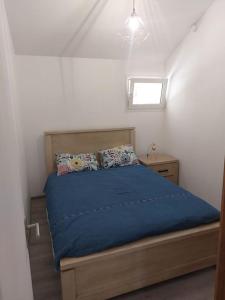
{"x": 165, "y": 165}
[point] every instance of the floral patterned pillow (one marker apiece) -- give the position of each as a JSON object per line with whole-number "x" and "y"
{"x": 119, "y": 156}
{"x": 67, "y": 163}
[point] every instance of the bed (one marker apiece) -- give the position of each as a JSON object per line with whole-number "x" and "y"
{"x": 124, "y": 228}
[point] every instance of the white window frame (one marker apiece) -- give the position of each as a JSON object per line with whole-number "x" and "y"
{"x": 130, "y": 86}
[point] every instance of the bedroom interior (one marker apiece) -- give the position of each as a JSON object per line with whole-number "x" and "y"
{"x": 112, "y": 149}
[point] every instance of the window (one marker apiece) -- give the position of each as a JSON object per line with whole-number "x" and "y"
{"x": 146, "y": 93}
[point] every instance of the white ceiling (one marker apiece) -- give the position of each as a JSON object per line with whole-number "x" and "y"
{"x": 93, "y": 28}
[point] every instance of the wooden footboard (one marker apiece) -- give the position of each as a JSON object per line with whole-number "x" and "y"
{"x": 136, "y": 265}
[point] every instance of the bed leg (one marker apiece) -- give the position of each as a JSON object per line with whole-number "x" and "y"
{"x": 68, "y": 285}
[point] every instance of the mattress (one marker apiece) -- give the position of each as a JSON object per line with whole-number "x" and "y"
{"x": 96, "y": 210}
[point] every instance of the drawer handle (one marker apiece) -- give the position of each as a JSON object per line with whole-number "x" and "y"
{"x": 163, "y": 171}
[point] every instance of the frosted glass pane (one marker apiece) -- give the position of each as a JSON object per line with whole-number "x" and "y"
{"x": 147, "y": 93}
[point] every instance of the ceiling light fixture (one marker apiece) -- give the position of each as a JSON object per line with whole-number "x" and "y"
{"x": 134, "y": 22}
{"x": 134, "y": 33}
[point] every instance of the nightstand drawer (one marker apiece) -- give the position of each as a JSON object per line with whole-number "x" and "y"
{"x": 164, "y": 164}
{"x": 170, "y": 171}
{"x": 166, "y": 169}
{"x": 172, "y": 178}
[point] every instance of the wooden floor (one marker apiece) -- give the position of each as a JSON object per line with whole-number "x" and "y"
{"x": 46, "y": 282}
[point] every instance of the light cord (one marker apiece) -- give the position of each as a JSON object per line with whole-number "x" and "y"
{"x": 134, "y": 6}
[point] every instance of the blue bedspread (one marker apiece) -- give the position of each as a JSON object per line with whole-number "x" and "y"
{"x": 96, "y": 210}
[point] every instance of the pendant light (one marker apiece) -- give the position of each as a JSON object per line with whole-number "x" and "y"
{"x": 134, "y": 22}
{"x": 134, "y": 33}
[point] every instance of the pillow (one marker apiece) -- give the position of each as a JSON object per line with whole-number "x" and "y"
{"x": 67, "y": 163}
{"x": 119, "y": 156}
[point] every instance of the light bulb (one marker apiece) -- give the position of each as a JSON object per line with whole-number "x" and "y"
{"x": 133, "y": 23}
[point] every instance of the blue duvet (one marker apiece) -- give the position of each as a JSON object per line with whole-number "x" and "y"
{"x": 96, "y": 210}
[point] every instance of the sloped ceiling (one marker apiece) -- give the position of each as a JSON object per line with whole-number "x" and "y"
{"x": 96, "y": 28}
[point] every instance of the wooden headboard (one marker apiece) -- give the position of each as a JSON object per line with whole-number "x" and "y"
{"x": 84, "y": 141}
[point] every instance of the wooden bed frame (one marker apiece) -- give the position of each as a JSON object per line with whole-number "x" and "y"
{"x": 135, "y": 265}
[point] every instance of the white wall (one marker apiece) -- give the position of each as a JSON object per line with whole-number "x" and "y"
{"x": 195, "y": 117}
{"x": 15, "y": 280}
{"x": 72, "y": 93}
